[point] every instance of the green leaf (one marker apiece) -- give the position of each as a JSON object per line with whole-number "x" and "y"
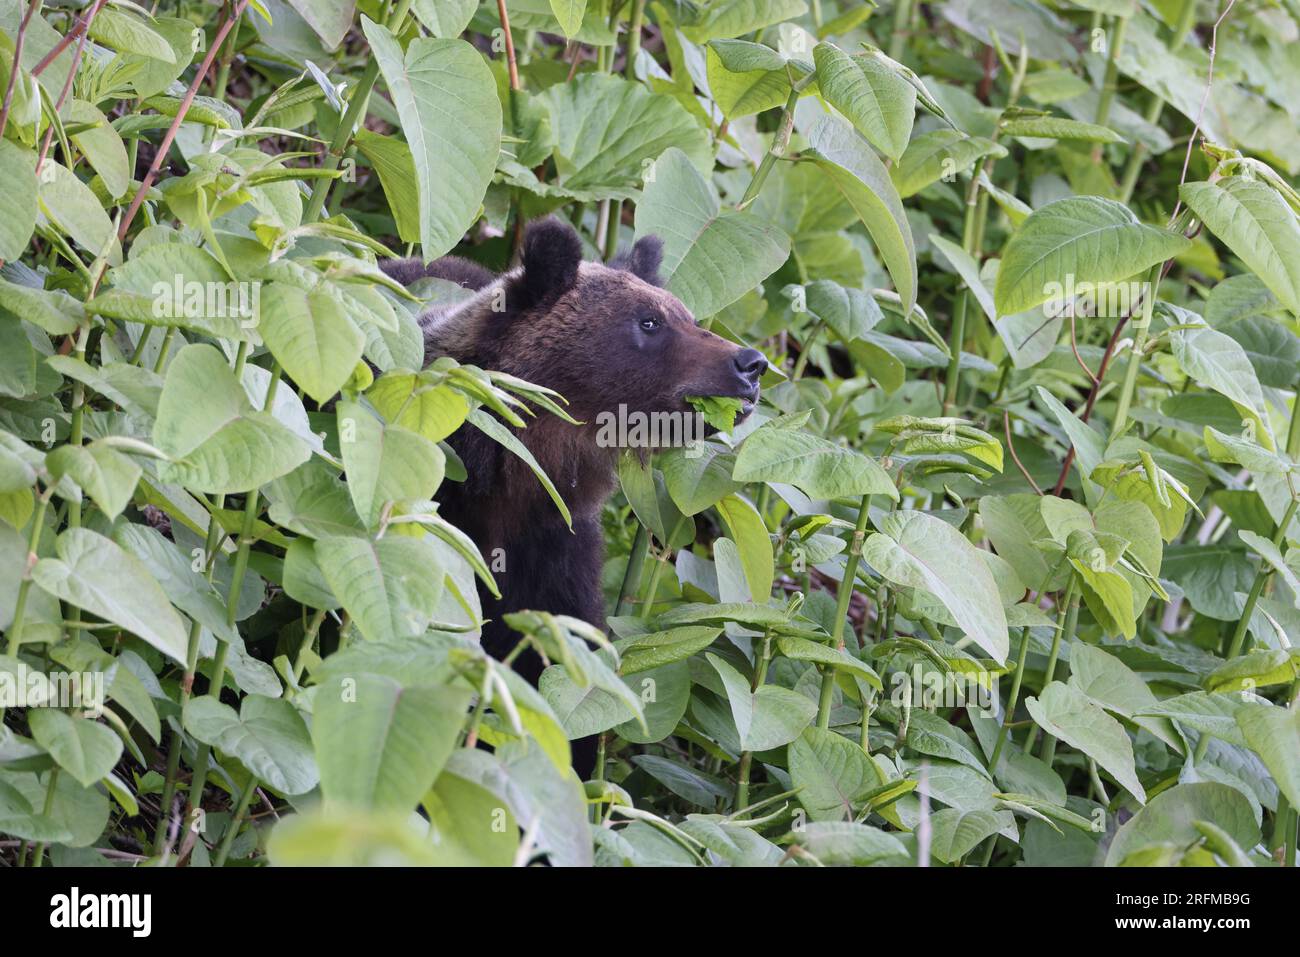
{"x": 1171, "y": 816}
{"x": 732, "y": 18}
{"x": 608, "y": 130}
{"x": 711, "y": 257}
{"x": 746, "y": 78}
{"x": 659, "y": 648}
{"x": 853, "y": 169}
{"x": 1218, "y": 362}
{"x": 755, "y": 547}
{"x": 802, "y": 649}
{"x": 831, "y": 772}
{"x": 874, "y": 98}
{"x": 218, "y": 441}
{"x": 95, "y": 573}
{"x": 382, "y": 745}
{"x": 1094, "y": 239}
{"x": 390, "y": 587}
{"x": 1274, "y": 734}
{"x": 102, "y": 146}
{"x": 85, "y": 749}
{"x": 18, "y": 199}
{"x": 311, "y": 336}
{"x": 73, "y": 209}
{"x": 129, "y": 33}
{"x": 446, "y": 98}
{"x": 569, "y": 13}
{"x": 495, "y": 430}
{"x": 56, "y": 312}
{"x": 445, "y": 18}
{"x": 939, "y": 155}
{"x": 917, "y": 550}
{"x": 1068, "y": 714}
{"x": 1256, "y": 223}
{"x": 106, "y": 475}
{"x": 267, "y": 736}
{"x": 957, "y": 832}
{"x": 821, "y": 469}
{"x": 766, "y": 718}
{"x": 385, "y": 463}
{"x": 1059, "y": 128}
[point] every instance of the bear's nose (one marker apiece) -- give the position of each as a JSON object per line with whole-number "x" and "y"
{"x": 750, "y": 363}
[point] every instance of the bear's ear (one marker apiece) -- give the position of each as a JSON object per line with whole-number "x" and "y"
{"x": 552, "y": 254}
{"x": 643, "y": 260}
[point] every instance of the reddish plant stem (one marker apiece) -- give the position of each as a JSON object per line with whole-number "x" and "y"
{"x": 78, "y": 30}
{"x": 67, "y": 88}
{"x": 510, "y": 44}
{"x": 18, "y": 59}
{"x": 188, "y": 100}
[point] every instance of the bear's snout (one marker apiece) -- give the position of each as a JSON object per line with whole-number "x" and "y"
{"x": 751, "y": 364}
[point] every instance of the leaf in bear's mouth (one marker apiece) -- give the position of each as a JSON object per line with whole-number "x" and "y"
{"x": 718, "y": 410}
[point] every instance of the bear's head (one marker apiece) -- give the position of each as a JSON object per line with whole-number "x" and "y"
{"x": 607, "y": 338}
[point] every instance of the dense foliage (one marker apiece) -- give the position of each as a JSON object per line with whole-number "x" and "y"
{"x": 1001, "y": 571}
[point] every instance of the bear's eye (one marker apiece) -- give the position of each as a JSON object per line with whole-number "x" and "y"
{"x": 649, "y": 323}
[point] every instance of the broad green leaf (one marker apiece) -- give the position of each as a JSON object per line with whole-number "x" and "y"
{"x": 102, "y": 146}
{"x": 1254, "y": 221}
{"x": 95, "y": 573}
{"x": 54, "y": 311}
{"x": 732, "y": 18}
{"x": 659, "y": 648}
{"x": 755, "y": 547}
{"x": 1171, "y": 817}
{"x": 821, "y": 469}
{"x": 72, "y": 208}
{"x": 917, "y": 550}
{"x": 874, "y": 98}
{"x": 939, "y": 155}
{"x": 392, "y": 160}
{"x": 330, "y": 20}
{"x": 382, "y": 745}
{"x": 1068, "y": 714}
{"x": 1274, "y": 734}
{"x": 831, "y": 772}
{"x": 17, "y": 197}
{"x": 130, "y": 33}
{"x": 385, "y": 463}
{"x": 608, "y": 131}
{"x": 390, "y": 587}
{"x": 465, "y": 826}
{"x": 845, "y": 844}
{"x": 957, "y": 831}
{"x": 802, "y": 649}
{"x": 746, "y": 78}
{"x": 1218, "y": 362}
{"x": 444, "y": 18}
{"x": 569, "y": 13}
{"x": 103, "y": 473}
{"x": 853, "y": 169}
{"x": 446, "y": 98}
{"x": 712, "y": 257}
{"x": 766, "y": 718}
{"x": 268, "y": 736}
{"x": 850, "y": 313}
{"x": 217, "y": 440}
{"x": 85, "y": 749}
{"x": 1093, "y": 239}
{"x": 311, "y": 336}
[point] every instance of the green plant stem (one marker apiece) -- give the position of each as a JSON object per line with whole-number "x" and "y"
{"x": 50, "y": 790}
{"x": 747, "y": 757}
{"x": 806, "y": 349}
{"x": 308, "y": 639}
{"x": 842, "y": 598}
{"x": 1071, "y": 623}
{"x": 1067, "y": 610}
{"x": 1140, "y": 331}
{"x": 352, "y": 117}
{"x": 1012, "y": 700}
{"x": 898, "y": 37}
{"x": 635, "y": 566}
{"x": 232, "y": 829}
{"x": 25, "y": 586}
{"x": 1111, "y": 82}
{"x": 780, "y": 143}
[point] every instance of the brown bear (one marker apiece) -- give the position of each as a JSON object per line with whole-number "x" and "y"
{"x": 603, "y": 337}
